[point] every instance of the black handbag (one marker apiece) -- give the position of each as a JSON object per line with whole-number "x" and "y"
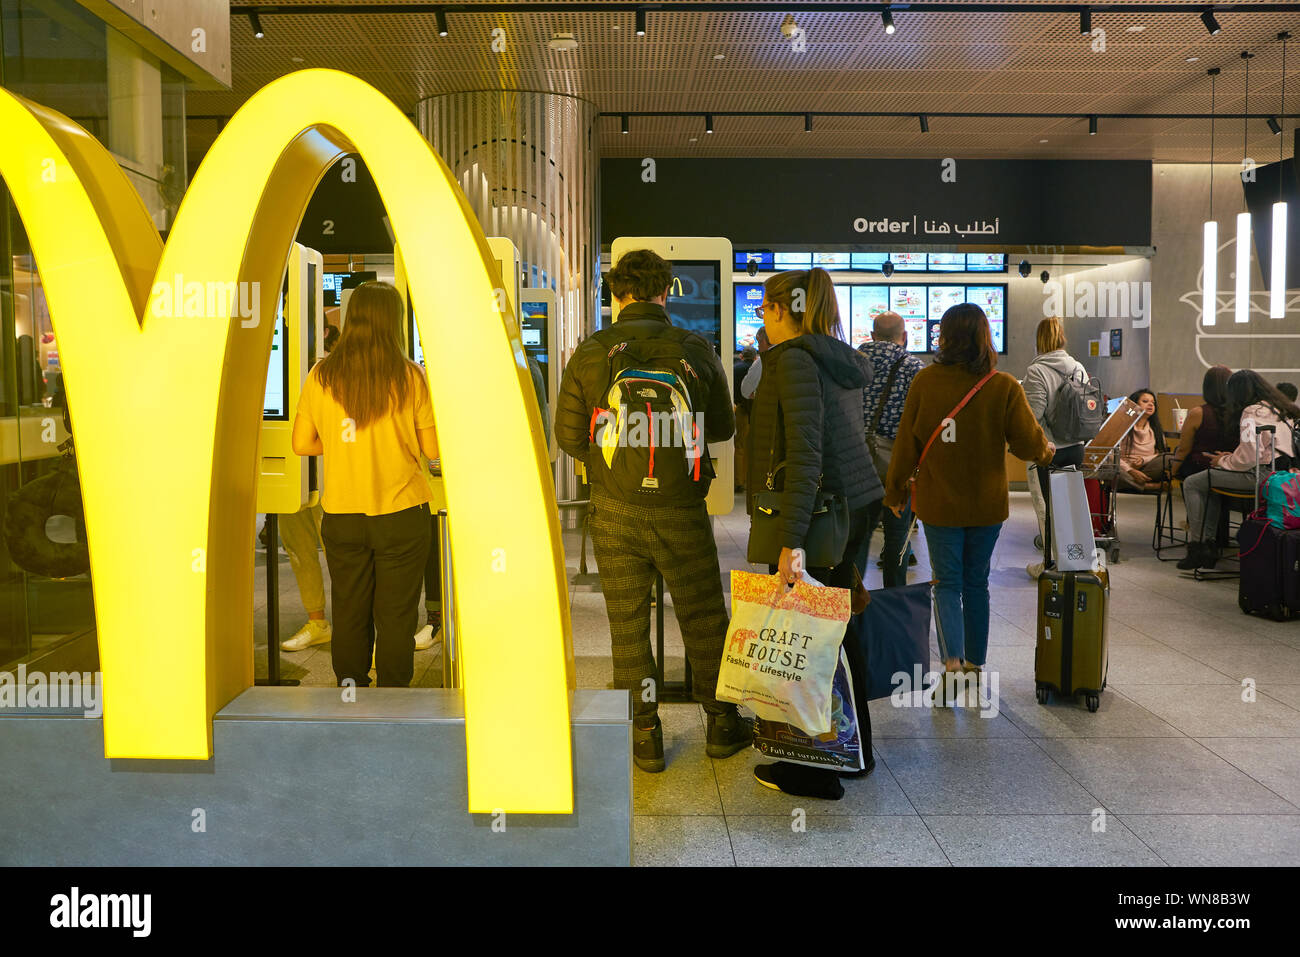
{"x": 828, "y": 528}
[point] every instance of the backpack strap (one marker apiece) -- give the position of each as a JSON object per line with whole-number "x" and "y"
{"x": 884, "y": 396}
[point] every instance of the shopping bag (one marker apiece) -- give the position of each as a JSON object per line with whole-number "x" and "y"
{"x": 1072, "y": 541}
{"x": 840, "y": 747}
{"x": 782, "y": 648}
{"x": 894, "y": 632}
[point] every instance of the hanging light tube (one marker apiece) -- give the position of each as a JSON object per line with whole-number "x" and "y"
{"x": 1210, "y": 273}
{"x": 1242, "y": 303}
{"x": 1277, "y": 283}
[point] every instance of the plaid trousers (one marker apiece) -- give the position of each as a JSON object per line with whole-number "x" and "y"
{"x": 632, "y": 543}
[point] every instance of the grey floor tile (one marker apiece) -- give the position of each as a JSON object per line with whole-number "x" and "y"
{"x": 1216, "y": 711}
{"x": 687, "y": 785}
{"x": 1273, "y": 762}
{"x": 982, "y": 776}
{"x": 663, "y": 841}
{"x": 1147, "y": 661}
{"x": 916, "y": 720}
{"x": 1161, "y": 775}
{"x": 594, "y": 671}
{"x": 1039, "y": 840}
{"x": 1118, "y": 716}
{"x": 1286, "y": 693}
{"x": 1220, "y": 840}
{"x": 832, "y": 840}
{"x": 1257, "y": 659}
{"x": 878, "y": 793}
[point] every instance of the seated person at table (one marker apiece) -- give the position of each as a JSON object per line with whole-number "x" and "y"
{"x": 1142, "y": 454}
{"x": 1253, "y": 405}
{"x": 1203, "y": 433}
{"x": 1289, "y": 390}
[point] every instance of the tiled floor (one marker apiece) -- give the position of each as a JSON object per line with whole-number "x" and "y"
{"x": 1193, "y": 759}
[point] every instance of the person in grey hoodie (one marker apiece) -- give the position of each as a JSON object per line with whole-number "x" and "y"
{"x": 808, "y": 413}
{"x": 1047, "y": 374}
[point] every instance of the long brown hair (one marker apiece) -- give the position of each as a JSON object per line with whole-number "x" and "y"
{"x": 965, "y": 340}
{"x": 367, "y": 371}
{"x": 820, "y": 312}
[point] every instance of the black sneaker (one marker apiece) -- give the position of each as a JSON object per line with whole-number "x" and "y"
{"x": 728, "y": 733}
{"x": 648, "y": 747}
{"x": 794, "y": 780}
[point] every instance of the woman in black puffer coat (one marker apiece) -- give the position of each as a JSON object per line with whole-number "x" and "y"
{"x": 808, "y": 412}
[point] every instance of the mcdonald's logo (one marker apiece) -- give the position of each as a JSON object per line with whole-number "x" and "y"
{"x": 166, "y": 411}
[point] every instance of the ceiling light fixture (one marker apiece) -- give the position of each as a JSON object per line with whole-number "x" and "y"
{"x": 640, "y": 22}
{"x": 1211, "y": 24}
{"x": 256, "y": 24}
{"x": 1191, "y": 59}
{"x": 1241, "y": 305}
{"x": 1092, "y": 126}
{"x": 925, "y": 123}
{"x": 442, "y": 22}
{"x": 1085, "y": 21}
{"x": 708, "y": 122}
{"x": 563, "y": 42}
{"x": 807, "y": 122}
{"x": 1277, "y": 252}
{"x": 887, "y": 19}
{"x": 626, "y": 129}
{"x": 1136, "y": 28}
{"x": 1210, "y": 239}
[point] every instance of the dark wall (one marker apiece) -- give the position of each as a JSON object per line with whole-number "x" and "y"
{"x": 817, "y": 201}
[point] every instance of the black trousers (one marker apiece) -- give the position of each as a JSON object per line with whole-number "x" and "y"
{"x": 376, "y": 565}
{"x": 433, "y": 574}
{"x": 1063, "y": 458}
{"x": 841, "y": 576}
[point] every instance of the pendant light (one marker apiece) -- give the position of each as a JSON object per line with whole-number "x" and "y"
{"x": 1241, "y": 304}
{"x": 1277, "y": 287}
{"x": 1210, "y": 252}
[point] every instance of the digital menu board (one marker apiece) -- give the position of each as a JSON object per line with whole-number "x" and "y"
{"x": 986, "y": 262}
{"x": 749, "y": 295}
{"x": 831, "y": 260}
{"x": 942, "y": 298}
{"x": 793, "y": 260}
{"x": 868, "y": 302}
{"x": 947, "y": 262}
{"x": 908, "y": 301}
{"x": 763, "y": 260}
{"x": 908, "y": 262}
{"x": 992, "y": 299}
{"x": 915, "y": 335}
{"x": 843, "y": 300}
{"x": 868, "y": 261}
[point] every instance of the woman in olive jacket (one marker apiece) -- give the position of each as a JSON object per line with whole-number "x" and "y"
{"x": 808, "y": 413}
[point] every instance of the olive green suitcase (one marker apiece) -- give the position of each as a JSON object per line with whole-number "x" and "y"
{"x": 1070, "y": 652}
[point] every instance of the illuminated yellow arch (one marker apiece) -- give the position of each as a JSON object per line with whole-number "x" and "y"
{"x": 167, "y": 408}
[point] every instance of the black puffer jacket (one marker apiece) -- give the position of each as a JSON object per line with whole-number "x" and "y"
{"x": 812, "y": 391}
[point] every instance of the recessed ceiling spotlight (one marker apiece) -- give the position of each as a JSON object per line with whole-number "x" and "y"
{"x": 1211, "y": 24}
{"x": 563, "y": 42}
{"x": 1191, "y": 59}
{"x": 1042, "y": 141}
{"x": 719, "y": 56}
{"x": 1136, "y": 28}
{"x": 695, "y": 139}
{"x": 296, "y": 59}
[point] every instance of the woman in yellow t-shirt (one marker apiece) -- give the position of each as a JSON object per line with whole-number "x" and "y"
{"x": 366, "y": 409}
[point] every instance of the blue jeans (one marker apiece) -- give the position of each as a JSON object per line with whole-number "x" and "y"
{"x": 892, "y": 553}
{"x": 959, "y": 560}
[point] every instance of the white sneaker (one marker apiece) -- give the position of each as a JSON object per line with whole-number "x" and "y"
{"x": 1034, "y": 569}
{"x": 317, "y": 631}
{"x": 424, "y": 638}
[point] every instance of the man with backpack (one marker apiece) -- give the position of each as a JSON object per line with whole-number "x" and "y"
{"x": 1068, "y": 406}
{"x": 638, "y": 403}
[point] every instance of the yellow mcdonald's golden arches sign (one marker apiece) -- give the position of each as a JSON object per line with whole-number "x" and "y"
{"x": 166, "y": 409}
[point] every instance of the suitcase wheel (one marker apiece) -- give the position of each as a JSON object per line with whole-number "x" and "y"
{"x": 1041, "y": 693}
{"x": 1114, "y": 554}
{"x": 1094, "y": 702}
{"x": 1243, "y": 604}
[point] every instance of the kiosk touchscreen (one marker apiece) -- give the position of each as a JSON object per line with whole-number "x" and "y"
{"x": 287, "y": 482}
{"x": 700, "y": 299}
{"x": 538, "y": 326}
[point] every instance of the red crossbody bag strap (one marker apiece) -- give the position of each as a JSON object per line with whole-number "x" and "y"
{"x": 939, "y": 428}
